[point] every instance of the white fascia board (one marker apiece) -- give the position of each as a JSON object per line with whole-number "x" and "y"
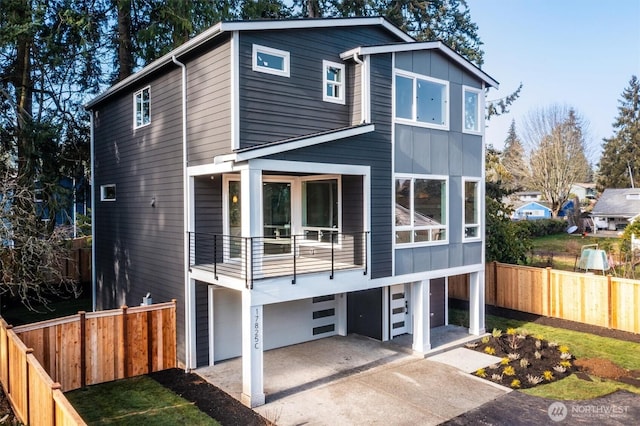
{"x": 429, "y": 45}
{"x": 295, "y": 144}
{"x": 210, "y": 169}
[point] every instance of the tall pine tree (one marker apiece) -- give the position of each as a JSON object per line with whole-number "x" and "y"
{"x": 620, "y": 159}
{"x": 513, "y": 159}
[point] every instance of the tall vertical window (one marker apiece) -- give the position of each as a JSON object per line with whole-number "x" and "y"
{"x": 142, "y": 107}
{"x": 422, "y": 100}
{"x": 270, "y": 60}
{"x": 421, "y": 209}
{"x": 472, "y": 118}
{"x": 333, "y": 82}
{"x": 471, "y": 209}
{"x": 320, "y": 204}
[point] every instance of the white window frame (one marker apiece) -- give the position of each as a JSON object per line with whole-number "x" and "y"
{"x": 140, "y": 93}
{"x": 478, "y": 218}
{"x": 413, "y": 121}
{"x": 303, "y": 227}
{"x": 103, "y": 192}
{"x": 270, "y": 51}
{"x": 412, "y": 227}
{"x": 479, "y": 112}
{"x": 340, "y": 85}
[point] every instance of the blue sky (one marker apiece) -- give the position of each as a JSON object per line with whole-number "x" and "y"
{"x": 580, "y": 53}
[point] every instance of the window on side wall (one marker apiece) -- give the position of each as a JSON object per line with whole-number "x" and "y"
{"x": 422, "y": 100}
{"x": 142, "y": 107}
{"x": 471, "y": 110}
{"x": 108, "y": 192}
{"x": 421, "y": 209}
{"x": 333, "y": 82}
{"x": 471, "y": 209}
{"x": 270, "y": 60}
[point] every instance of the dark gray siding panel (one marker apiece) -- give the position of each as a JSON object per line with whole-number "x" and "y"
{"x": 208, "y": 217}
{"x": 209, "y": 110}
{"x": 139, "y": 247}
{"x": 372, "y": 149}
{"x": 455, "y": 209}
{"x": 273, "y": 107}
{"x": 202, "y": 324}
{"x": 352, "y": 203}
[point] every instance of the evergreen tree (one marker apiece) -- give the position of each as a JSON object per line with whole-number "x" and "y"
{"x": 620, "y": 155}
{"x": 513, "y": 159}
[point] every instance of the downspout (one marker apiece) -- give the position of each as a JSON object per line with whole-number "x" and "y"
{"x": 364, "y": 89}
{"x": 185, "y": 212}
{"x": 93, "y": 216}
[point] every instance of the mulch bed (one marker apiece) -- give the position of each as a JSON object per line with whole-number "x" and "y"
{"x": 208, "y": 398}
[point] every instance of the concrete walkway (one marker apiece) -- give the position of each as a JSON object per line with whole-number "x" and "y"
{"x": 355, "y": 380}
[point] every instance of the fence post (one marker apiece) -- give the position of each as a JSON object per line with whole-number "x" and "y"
{"x": 125, "y": 346}
{"x": 547, "y": 309}
{"x": 6, "y": 347}
{"x": 83, "y": 349}
{"x": 495, "y": 283}
{"x": 150, "y": 334}
{"x": 609, "y": 302}
{"x": 26, "y": 384}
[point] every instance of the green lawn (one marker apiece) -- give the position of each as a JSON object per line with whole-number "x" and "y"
{"x": 581, "y": 345}
{"x": 136, "y": 401}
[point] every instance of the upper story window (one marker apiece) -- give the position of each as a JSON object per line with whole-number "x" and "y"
{"x": 471, "y": 209}
{"x": 333, "y": 82}
{"x": 142, "y": 107}
{"x": 472, "y": 110}
{"x": 422, "y": 100}
{"x": 108, "y": 192}
{"x": 270, "y": 61}
{"x": 421, "y": 209}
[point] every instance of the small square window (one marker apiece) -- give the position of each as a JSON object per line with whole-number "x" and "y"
{"x": 333, "y": 82}
{"x": 270, "y": 61}
{"x": 472, "y": 118}
{"x": 108, "y": 192}
{"x": 142, "y": 107}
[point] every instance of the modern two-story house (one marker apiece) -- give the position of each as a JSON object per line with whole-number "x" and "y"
{"x": 291, "y": 180}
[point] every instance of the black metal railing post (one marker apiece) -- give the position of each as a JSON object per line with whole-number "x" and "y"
{"x": 365, "y": 237}
{"x": 190, "y": 255}
{"x": 215, "y": 256}
{"x": 251, "y": 257}
{"x": 293, "y": 237}
{"x": 333, "y": 238}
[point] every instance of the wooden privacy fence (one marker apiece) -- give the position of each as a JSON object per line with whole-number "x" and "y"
{"x": 605, "y": 301}
{"x": 40, "y": 361}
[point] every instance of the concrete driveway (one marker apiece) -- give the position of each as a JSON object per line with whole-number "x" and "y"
{"x": 355, "y": 380}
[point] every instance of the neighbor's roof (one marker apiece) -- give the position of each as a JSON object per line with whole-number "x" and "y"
{"x": 429, "y": 45}
{"x": 256, "y": 25}
{"x": 623, "y": 202}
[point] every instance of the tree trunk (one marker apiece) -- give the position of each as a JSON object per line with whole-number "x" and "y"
{"x": 125, "y": 54}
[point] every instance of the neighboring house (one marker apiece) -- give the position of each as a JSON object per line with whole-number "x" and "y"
{"x": 527, "y": 196}
{"x": 292, "y": 180}
{"x": 530, "y": 211}
{"x": 584, "y": 191}
{"x": 615, "y": 208}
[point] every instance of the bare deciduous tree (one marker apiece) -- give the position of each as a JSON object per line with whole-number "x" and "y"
{"x": 31, "y": 256}
{"x": 555, "y": 137}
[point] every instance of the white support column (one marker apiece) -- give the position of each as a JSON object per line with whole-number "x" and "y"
{"x": 341, "y": 306}
{"x": 251, "y": 194}
{"x": 190, "y": 317}
{"x": 252, "y": 353}
{"x": 386, "y": 331}
{"x": 476, "y": 303}
{"x": 421, "y": 317}
{"x": 210, "y": 304}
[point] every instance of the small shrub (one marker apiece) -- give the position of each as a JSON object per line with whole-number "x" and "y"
{"x": 485, "y": 340}
{"x": 534, "y": 380}
{"x": 481, "y": 373}
{"x": 564, "y": 349}
{"x": 524, "y": 363}
{"x": 537, "y": 354}
{"x": 496, "y": 333}
{"x": 489, "y": 350}
{"x": 513, "y": 356}
{"x": 538, "y": 344}
{"x": 548, "y": 375}
{"x": 509, "y": 371}
{"x": 496, "y": 377}
{"x": 515, "y": 383}
{"x": 505, "y": 361}
{"x": 560, "y": 368}
{"x": 565, "y": 364}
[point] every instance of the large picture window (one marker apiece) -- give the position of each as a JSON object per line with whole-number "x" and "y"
{"x": 471, "y": 209}
{"x": 421, "y": 209}
{"x": 472, "y": 111}
{"x": 422, "y": 100}
{"x": 320, "y": 218}
{"x": 142, "y": 107}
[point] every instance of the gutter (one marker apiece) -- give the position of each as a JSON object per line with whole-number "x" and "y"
{"x": 189, "y": 308}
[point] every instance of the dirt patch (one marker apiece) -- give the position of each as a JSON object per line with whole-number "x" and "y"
{"x": 601, "y": 367}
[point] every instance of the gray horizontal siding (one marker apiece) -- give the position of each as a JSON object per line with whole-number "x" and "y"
{"x": 273, "y": 107}
{"x": 209, "y": 109}
{"x": 374, "y": 150}
{"x": 139, "y": 247}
